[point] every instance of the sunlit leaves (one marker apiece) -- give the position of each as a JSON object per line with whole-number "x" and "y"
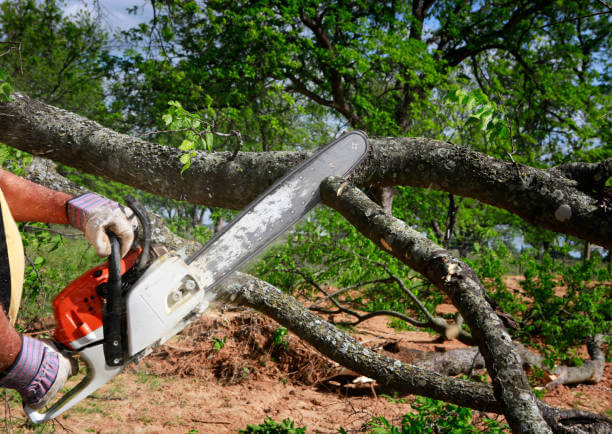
{"x": 189, "y": 125}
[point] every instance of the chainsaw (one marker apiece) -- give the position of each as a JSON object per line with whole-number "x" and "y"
{"x": 118, "y": 312}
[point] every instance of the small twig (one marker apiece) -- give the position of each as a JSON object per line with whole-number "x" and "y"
{"x": 53, "y": 231}
{"x": 233, "y": 133}
{"x": 348, "y": 288}
{"x": 107, "y": 398}
{"x": 393, "y": 313}
{"x": 179, "y": 130}
{"x": 512, "y": 150}
{"x": 56, "y": 421}
{"x": 239, "y": 145}
{"x": 605, "y": 4}
{"x": 569, "y": 20}
{"x": 211, "y": 422}
{"x": 8, "y": 417}
{"x": 18, "y": 44}
{"x": 41, "y": 332}
{"x": 42, "y": 282}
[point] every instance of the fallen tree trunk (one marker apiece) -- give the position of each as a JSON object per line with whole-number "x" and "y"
{"x": 467, "y": 360}
{"x": 551, "y": 199}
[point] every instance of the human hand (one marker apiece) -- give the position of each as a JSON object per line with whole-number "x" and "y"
{"x": 94, "y": 214}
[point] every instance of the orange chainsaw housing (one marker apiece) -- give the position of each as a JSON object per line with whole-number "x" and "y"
{"x": 78, "y": 308}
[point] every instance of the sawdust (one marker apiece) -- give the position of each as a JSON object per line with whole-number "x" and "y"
{"x": 235, "y": 347}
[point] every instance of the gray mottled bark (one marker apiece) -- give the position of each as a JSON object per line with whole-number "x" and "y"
{"x": 466, "y": 360}
{"x": 551, "y": 199}
{"x": 340, "y": 347}
{"x": 404, "y": 378}
{"x": 461, "y": 284}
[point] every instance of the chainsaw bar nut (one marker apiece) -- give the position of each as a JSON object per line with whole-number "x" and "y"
{"x": 176, "y": 295}
{"x": 190, "y": 285}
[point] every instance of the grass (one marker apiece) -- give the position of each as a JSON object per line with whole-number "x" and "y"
{"x": 52, "y": 263}
{"x": 151, "y": 380}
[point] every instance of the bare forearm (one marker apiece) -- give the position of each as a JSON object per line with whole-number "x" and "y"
{"x": 32, "y": 202}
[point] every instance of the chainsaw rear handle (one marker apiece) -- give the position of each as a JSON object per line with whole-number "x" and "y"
{"x": 98, "y": 374}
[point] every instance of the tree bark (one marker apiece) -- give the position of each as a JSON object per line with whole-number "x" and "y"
{"x": 249, "y": 291}
{"x": 550, "y": 199}
{"x": 460, "y": 283}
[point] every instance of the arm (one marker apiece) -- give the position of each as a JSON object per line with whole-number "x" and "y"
{"x": 90, "y": 213}
{"x": 32, "y": 202}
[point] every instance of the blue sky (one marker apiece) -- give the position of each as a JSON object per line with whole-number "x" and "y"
{"x": 114, "y": 13}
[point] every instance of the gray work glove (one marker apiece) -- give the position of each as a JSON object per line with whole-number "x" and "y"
{"x": 94, "y": 214}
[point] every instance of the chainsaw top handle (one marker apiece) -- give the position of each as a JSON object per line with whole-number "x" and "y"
{"x": 113, "y": 308}
{"x": 113, "y": 305}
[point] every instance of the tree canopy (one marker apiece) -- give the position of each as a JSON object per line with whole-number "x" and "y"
{"x": 490, "y": 128}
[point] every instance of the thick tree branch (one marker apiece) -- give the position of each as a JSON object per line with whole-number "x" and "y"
{"x": 543, "y": 198}
{"x": 461, "y": 284}
{"x": 405, "y": 379}
{"x": 340, "y": 347}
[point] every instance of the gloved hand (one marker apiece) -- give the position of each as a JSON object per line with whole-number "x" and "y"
{"x": 94, "y": 214}
{"x": 39, "y": 372}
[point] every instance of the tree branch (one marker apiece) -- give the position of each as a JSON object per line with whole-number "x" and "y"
{"x": 546, "y": 199}
{"x": 404, "y": 378}
{"x": 461, "y": 284}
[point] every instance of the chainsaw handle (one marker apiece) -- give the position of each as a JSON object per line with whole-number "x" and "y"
{"x": 98, "y": 374}
{"x": 113, "y": 308}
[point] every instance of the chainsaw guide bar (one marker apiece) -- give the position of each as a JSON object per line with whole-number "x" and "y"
{"x": 173, "y": 292}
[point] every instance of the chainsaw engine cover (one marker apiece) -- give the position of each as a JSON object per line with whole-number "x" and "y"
{"x": 162, "y": 302}
{"x": 78, "y": 308}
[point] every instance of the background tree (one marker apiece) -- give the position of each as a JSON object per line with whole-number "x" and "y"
{"x": 61, "y": 60}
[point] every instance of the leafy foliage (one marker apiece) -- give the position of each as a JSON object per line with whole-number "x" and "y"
{"x": 270, "y": 426}
{"x": 52, "y": 261}
{"x": 179, "y": 119}
{"x": 570, "y": 303}
{"x": 62, "y": 60}
{"x": 558, "y": 306}
{"x": 434, "y": 417}
{"x": 326, "y": 251}
{"x": 280, "y": 337}
{"x": 6, "y": 89}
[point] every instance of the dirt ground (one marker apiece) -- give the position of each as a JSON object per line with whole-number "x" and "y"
{"x": 225, "y": 372}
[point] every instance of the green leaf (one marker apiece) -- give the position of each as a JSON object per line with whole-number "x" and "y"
{"x": 470, "y": 104}
{"x": 185, "y": 158}
{"x": 209, "y": 141}
{"x": 486, "y": 118}
{"x": 472, "y": 120}
{"x": 186, "y": 145}
{"x": 167, "y": 118}
{"x": 5, "y": 92}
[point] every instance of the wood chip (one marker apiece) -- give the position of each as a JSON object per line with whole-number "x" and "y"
{"x": 341, "y": 188}
{"x": 385, "y": 244}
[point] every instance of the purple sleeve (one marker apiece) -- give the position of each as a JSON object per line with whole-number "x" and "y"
{"x": 79, "y": 207}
